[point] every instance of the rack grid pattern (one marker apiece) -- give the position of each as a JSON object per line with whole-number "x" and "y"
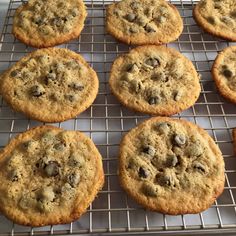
{"x": 113, "y": 212}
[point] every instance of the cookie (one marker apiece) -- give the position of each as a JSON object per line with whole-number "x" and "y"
{"x": 49, "y": 176}
{"x": 41, "y": 23}
{"x": 224, "y": 73}
{"x": 217, "y": 17}
{"x": 155, "y": 80}
{"x": 171, "y": 166}
{"x": 143, "y": 21}
{"x": 50, "y": 85}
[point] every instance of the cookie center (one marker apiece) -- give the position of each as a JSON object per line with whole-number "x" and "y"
{"x": 156, "y": 79}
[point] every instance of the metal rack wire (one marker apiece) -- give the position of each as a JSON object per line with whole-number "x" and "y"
{"x": 106, "y": 121}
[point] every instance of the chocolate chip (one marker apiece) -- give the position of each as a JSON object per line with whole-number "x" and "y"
{"x": 75, "y": 160}
{"x": 142, "y": 173}
{"x": 154, "y": 62}
{"x": 52, "y": 168}
{"x": 149, "y": 28}
{"x": 26, "y": 144}
{"x": 59, "y": 146}
{"x": 211, "y": 20}
{"x": 180, "y": 139}
{"x": 57, "y": 21}
{"x": 50, "y": 76}
{"x": 73, "y": 179}
{"x": 76, "y": 86}
{"x": 40, "y": 163}
{"x": 37, "y": 90}
{"x": 74, "y": 12}
{"x": 150, "y": 150}
{"x": 164, "y": 180}
{"x": 177, "y": 95}
{"x": 163, "y": 127}
{"x": 130, "y": 17}
{"x": 70, "y": 97}
{"x": 160, "y": 19}
{"x": 233, "y": 14}
{"x": 15, "y": 73}
{"x": 149, "y": 190}
{"x": 132, "y": 68}
{"x": 14, "y": 176}
{"x": 148, "y": 12}
{"x": 141, "y": 21}
{"x": 227, "y": 73}
{"x": 172, "y": 160}
{"x": 159, "y": 76}
{"x": 199, "y": 167}
{"x": 154, "y": 100}
{"x": 38, "y": 20}
{"x": 217, "y": 5}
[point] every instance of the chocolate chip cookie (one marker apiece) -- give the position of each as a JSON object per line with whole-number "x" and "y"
{"x": 217, "y": 17}
{"x": 50, "y": 85}
{"x": 171, "y": 166}
{"x": 49, "y": 176}
{"x": 143, "y": 21}
{"x": 224, "y": 73}
{"x": 155, "y": 80}
{"x": 41, "y": 23}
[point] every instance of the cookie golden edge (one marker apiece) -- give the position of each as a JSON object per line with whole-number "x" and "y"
{"x": 225, "y": 91}
{"x": 210, "y": 29}
{"x": 78, "y": 208}
{"x": 137, "y": 40}
{"x": 57, "y": 118}
{"x": 164, "y": 110}
{"x": 166, "y": 209}
{"x": 38, "y": 43}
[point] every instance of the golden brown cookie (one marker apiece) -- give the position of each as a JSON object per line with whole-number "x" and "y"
{"x": 155, "y": 80}
{"x": 217, "y": 17}
{"x": 171, "y": 166}
{"x": 49, "y": 176}
{"x": 50, "y": 85}
{"x": 224, "y": 73}
{"x": 143, "y": 21}
{"x": 40, "y": 23}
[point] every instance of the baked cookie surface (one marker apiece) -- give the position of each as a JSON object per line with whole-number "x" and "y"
{"x": 50, "y": 85}
{"x": 40, "y": 23}
{"x": 217, "y": 17}
{"x": 224, "y": 73}
{"x": 171, "y": 166}
{"x": 155, "y": 80}
{"x": 49, "y": 176}
{"x": 143, "y": 21}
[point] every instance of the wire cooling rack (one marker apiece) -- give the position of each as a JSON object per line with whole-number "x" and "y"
{"x": 113, "y": 212}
